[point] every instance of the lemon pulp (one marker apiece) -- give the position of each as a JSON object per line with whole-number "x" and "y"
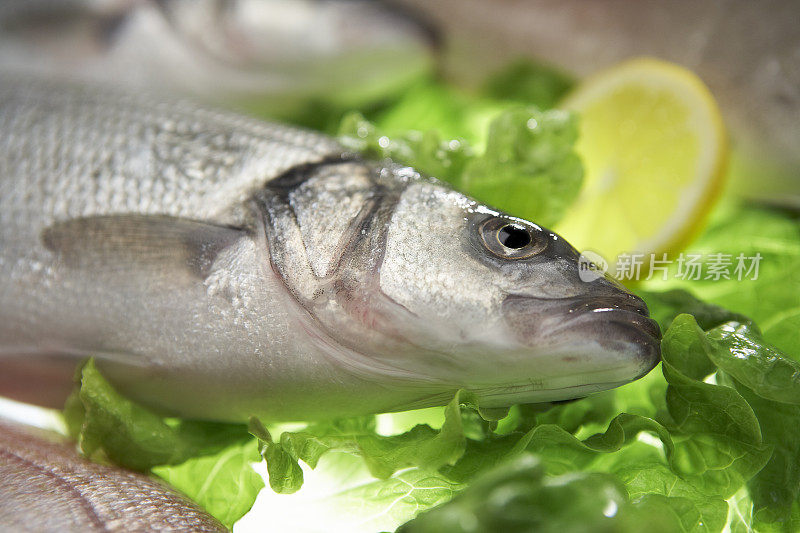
{"x": 653, "y": 148}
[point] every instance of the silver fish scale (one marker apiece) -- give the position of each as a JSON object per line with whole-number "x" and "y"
{"x": 69, "y": 152}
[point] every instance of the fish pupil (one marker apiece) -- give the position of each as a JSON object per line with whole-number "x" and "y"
{"x": 513, "y": 237}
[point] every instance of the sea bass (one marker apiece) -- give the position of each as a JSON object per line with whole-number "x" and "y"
{"x": 266, "y": 54}
{"x": 47, "y": 486}
{"x": 219, "y": 267}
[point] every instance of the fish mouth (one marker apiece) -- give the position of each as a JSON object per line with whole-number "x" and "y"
{"x": 638, "y": 323}
{"x": 620, "y": 323}
{"x": 614, "y": 323}
{"x": 625, "y": 309}
{"x": 622, "y": 302}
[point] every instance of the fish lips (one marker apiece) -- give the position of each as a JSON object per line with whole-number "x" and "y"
{"x": 617, "y": 324}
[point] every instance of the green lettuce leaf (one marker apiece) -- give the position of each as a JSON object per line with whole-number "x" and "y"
{"x": 664, "y": 306}
{"x": 769, "y": 382}
{"x": 528, "y": 168}
{"x": 775, "y": 490}
{"x": 760, "y": 366}
{"x": 518, "y": 496}
{"x": 106, "y": 424}
{"x": 437, "y": 106}
{"x": 740, "y": 512}
{"x": 401, "y": 496}
{"x": 654, "y": 483}
{"x": 224, "y": 483}
{"x": 434, "y": 105}
{"x": 740, "y": 351}
{"x": 773, "y": 299}
{"x": 341, "y": 495}
{"x": 421, "y": 446}
{"x": 529, "y": 83}
{"x": 426, "y": 151}
{"x": 208, "y": 461}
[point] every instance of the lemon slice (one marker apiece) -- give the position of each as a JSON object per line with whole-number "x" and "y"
{"x": 654, "y": 149}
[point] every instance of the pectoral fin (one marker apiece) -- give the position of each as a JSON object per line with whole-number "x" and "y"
{"x": 148, "y": 242}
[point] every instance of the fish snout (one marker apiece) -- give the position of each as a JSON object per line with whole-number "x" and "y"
{"x": 623, "y": 307}
{"x": 536, "y": 315}
{"x": 609, "y": 329}
{"x": 620, "y": 302}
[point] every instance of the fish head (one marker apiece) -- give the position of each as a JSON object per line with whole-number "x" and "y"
{"x": 505, "y": 299}
{"x": 431, "y": 287}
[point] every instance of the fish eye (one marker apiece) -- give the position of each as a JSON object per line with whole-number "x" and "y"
{"x": 513, "y": 236}
{"x": 510, "y": 240}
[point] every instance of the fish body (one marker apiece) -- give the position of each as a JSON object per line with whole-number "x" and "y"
{"x": 219, "y": 267}
{"x": 47, "y": 486}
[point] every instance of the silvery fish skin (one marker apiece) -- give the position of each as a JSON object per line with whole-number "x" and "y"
{"x": 221, "y": 267}
{"x": 269, "y": 53}
{"x": 47, "y": 486}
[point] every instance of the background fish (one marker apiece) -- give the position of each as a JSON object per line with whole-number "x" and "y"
{"x": 47, "y": 486}
{"x": 221, "y": 267}
{"x": 273, "y": 55}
